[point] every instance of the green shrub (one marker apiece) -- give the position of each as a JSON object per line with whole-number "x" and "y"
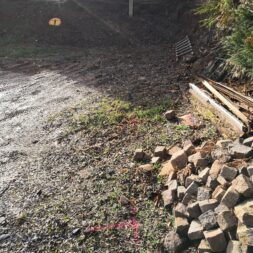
{"x": 236, "y": 22}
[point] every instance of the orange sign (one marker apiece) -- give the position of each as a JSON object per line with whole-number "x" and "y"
{"x": 55, "y": 22}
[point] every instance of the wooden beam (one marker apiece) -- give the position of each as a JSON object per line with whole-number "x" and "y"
{"x": 230, "y": 105}
{"x": 223, "y": 113}
{"x": 131, "y": 8}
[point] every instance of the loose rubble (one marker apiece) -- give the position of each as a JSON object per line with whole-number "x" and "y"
{"x": 212, "y": 205}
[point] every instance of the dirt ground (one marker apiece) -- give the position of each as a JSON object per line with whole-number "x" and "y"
{"x": 64, "y": 168}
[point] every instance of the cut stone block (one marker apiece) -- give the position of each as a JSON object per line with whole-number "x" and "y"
{"x": 230, "y": 198}
{"x": 229, "y": 173}
{"x": 199, "y": 160}
{"x": 221, "y": 208}
{"x": 208, "y": 220}
{"x": 173, "y": 242}
{"x": 239, "y": 151}
{"x": 248, "y": 142}
{"x": 212, "y": 182}
{"x": 209, "y": 204}
{"x": 203, "y": 175}
{"x": 194, "y": 210}
{"x": 195, "y": 231}
{"x": 215, "y": 169}
{"x": 192, "y": 189}
{"x": 226, "y": 220}
{"x": 160, "y": 151}
{"x": 155, "y": 160}
{"x": 244, "y": 212}
{"x": 189, "y": 149}
{"x": 216, "y": 240}
{"x": 190, "y": 179}
{"x": 223, "y": 143}
{"x": 234, "y": 247}
{"x": 181, "y": 211}
{"x": 203, "y": 193}
{"x": 187, "y": 198}
{"x": 139, "y": 155}
{"x": 181, "y": 192}
{"x": 218, "y": 193}
{"x": 222, "y": 181}
{"x": 243, "y": 185}
{"x": 250, "y": 170}
{"x": 204, "y": 247}
{"x": 179, "y": 159}
{"x": 168, "y": 197}
{"x": 245, "y": 234}
{"x": 182, "y": 225}
{"x": 170, "y": 114}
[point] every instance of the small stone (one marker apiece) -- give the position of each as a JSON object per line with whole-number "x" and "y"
{"x": 234, "y": 247}
{"x": 195, "y": 231}
{"x": 76, "y": 231}
{"x": 244, "y": 212}
{"x": 203, "y": 193}
{"x": 230, "y": 198}
{"x": 3, "y": 237}
{"x": 124, "y": 200}
{"x": 218, "y": 193}
{"x": 181, "y": 192}
{"x": 139, "y": 155}
{"x": 2, "y": 220}
{"x": 167, "y": 170}
{"x": 173, "y": 242}
{"x": 209, "y": 204}
{"x": 203, "y": 175}
{"x": 160, "y": 151}
{"x": 170, "y": 115}
{"x": 204, "y": 247}
{"x": 190, "y": 179}
{"x": 216, "y": 240}
{"x": 192, "y": 189}
{"x": 208, "y": 220}
{"x": 229, "y": 173}
{"x": 155, "y": 160}
{"x": 199, "y": 160}
{"x": 187, "y": 198}
{"x": 182, "y": 225}
{"x": 179, "y": 160}
{"x": 226, "y": 220}
{"x": 248, "y": 142}
{"x": 245, "y": 234}
{"x": 181, "y": 211}
{"x": 243, "y": 185}
{"x": 194, "y": 210}
{"x": 146, "y": 167}
{"x": 239, "y": 151}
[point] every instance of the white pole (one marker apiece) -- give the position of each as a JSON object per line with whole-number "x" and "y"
{"x": 131, "y": 8}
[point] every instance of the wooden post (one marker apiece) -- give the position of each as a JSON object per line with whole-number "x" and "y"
{"x": 131, "y": 8}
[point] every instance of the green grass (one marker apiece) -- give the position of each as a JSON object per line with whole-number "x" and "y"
{"x": 113, "y": 112}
